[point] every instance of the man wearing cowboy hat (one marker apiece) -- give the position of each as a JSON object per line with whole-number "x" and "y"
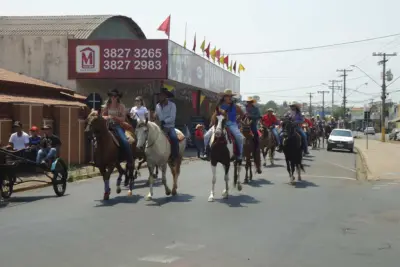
{"x": 269, "y": 120}
{"x": 233, "y": 110}
{"x": 299, "y": 119}
{"x": 166, "y": 114}
{"x": 253, "y": 113}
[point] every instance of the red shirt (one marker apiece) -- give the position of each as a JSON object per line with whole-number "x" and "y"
{"x": 310, "y": 125}
{"x": 269, "y": 120}
{"x": 199, "y": 134}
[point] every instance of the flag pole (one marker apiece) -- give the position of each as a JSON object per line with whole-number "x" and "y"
{"x": 185, "y": 31}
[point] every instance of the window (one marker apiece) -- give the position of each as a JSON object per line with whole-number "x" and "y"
{"x": 341, "y": 133}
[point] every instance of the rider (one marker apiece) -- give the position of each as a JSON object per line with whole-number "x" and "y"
{"x": 115, "y": 112}
{"x": 306, "y": 120}
{"x": 233, "y": 110}
{"x": 49, "y": 143}
{"x": 166, "y": 114}
{"x": 332, "y": 123}
{"x": 139, "y": 110}
{"x": 269, "y": 120}
{"x": 253, "y": 113}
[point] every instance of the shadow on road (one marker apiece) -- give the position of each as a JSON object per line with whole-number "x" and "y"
{"x": 24, "y": 200}
{"x": 259, "y": 182}
{"x": 308, "y": 159}
{"x": 305, "y": 184}
{"x": 274, "y": 166}
{"x": 238, "y": 200}
{"x": 169, "y": 199}
{"x": 119, "y": 200}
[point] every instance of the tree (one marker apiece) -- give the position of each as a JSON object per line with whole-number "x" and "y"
{"x": 285, "y": 104}
{"x": 269, "y": 104}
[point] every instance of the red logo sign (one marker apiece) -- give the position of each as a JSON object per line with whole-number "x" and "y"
{"x": 117, "y": 59}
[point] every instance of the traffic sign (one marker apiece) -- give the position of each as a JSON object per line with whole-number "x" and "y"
{"x": 94, "y": 101}
{"x": 367, "y": 115}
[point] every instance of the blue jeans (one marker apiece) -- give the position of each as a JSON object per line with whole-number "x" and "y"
{"x": 124, "y": 142}
{"x": 173, "y": 137}
{"x": 233, "y": 127}
{"x": 45, "y": 154}
{"x": 304, "y": 138}
{"x": 275, "y": 132}
{"x": 254, "y": 130}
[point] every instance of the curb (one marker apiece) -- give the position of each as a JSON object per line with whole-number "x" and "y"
{"x": 362, "y": 170}
{"x": 83, "y": 177}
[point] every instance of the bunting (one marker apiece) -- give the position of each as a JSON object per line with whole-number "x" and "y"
{"x": 203, "y": 45}
{"x": 184, "y": 44}
{"x": 207, "y": 51}
{"x": 165, "y": 26}
{"x": 222, "y": 60}
{"x": 226, "y": 61}
{"x": 202, "y": 97}
{"x": 241, "y": 68}
{"x": 234, "y": 67}
{"x": 194, "y": 43}
{"x": 230, "y": 67}
{"x": 218, "y": 55}
{"x": 212, "y": 53}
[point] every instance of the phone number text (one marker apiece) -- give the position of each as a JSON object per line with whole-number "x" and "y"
{"x": 125, "y": 53}
{"x": 132, "y": 65}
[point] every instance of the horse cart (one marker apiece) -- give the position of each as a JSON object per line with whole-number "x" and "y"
{"x": 13, "y": 164}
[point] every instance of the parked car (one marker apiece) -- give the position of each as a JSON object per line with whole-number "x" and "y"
{"x": 369, "y": 130}
{"x": 394, "y": 134}
{"x": 341, "y": 139}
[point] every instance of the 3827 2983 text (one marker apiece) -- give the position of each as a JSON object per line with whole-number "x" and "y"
{"x": 132, "y": 65}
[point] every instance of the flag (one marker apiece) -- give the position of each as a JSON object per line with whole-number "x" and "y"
{"x": 203, "y": 45}
{"x": 218, "y": 55}
{"x": 194, "y": 43}
{"x": 184, "y": 44}
{"x": 226, "y": 61}
{"x": 230, "y": 66}
{"x": 241, "y": 68}
{"x": 212, "y": 53}
{"x": 221, "y": 60}
{"x": 234, "y": 67}
{"x": 165, "y": 26}
{"x": 207, "y": 50}
{"x": 202, "y": 97}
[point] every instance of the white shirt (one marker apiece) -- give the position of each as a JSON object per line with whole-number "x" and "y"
{"x": 141, "y": 112}
{"x": 19, "y": 142}
{"x": 167, "y": 114}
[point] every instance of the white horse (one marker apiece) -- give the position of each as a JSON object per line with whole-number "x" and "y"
{"x": 158, "y": 150}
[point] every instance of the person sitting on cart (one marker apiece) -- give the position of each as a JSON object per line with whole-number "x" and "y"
{"x": 19, "y": 140}
{"x": 34, "y": 138}
{"x": 48, "y": 143}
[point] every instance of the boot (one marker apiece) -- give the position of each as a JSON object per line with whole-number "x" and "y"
{"x": 206, "y": 155}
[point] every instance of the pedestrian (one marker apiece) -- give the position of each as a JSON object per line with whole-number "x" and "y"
{"x": 199, "y": 139}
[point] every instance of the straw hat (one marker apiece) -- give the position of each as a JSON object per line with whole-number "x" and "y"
{"x": 270, "y": 110}
{"x": 250, "y": 99}
{"x": 198, "y": 126}
{"x": 227, "y": 92}
{"x": 294, "y": 104}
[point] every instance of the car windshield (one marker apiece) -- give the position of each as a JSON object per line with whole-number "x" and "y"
{"x": 341, "y": 133}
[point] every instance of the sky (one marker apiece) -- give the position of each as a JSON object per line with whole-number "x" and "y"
{"x": 263, "y": 25}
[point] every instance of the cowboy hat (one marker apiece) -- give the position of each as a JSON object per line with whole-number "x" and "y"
{"x": 46, "y": 127}
{"x": 138, "y": 98}
{"x": 198, "y": 126}
{"x": 17, "y": 124}
{"x": 166, "y": 92}
{"x": 227, "y": 92}
{"x": 270, "y": 110}
{"x": 114, "y": 92}
{"x": 294, "y": 104}
{"x": 251, "y": 99}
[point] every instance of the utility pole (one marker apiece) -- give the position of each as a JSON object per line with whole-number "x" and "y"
{"x": 323, "y": 102}
{"x": 333, "y": 87}
{"x": 383, "y": 97}
{"x": 310, "y": 107}
{"x": 344, "y": 75}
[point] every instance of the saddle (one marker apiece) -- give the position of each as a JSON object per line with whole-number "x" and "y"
{"x": 179, "y": 134}
{"x": 129, "y": 133}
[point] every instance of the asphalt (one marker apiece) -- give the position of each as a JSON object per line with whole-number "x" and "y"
{"x": 330, "y": 219}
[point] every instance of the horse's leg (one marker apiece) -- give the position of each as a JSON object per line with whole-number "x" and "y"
{"x": 119, "y": 179}
{"x": 251, "y": 170}
{"x": 164, "y": 179}
{"x": 225, "y": 193}
{"x": 106, "y": 173}
{"x": 151, "y": 181}
{"x": 298, "y": 172}
{"x": 246, "y": 168}
{"x": 132, "y": 178}
{"x": 292, "y": 169}
{"x": 264, "y": 151}
{"x": 288, "y": 169}
{"x": 238, "y": 170}
{"x": 213, "y": 181}
{"x": 177, "y": 171}
{"x": 271, "y": 155}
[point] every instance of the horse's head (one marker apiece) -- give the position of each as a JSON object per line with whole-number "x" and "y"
{"x": 142, "y": 132}
{"x": 220, "y": 118}
{"x": 95, "y": 123}
{"x": 246, "y": 125}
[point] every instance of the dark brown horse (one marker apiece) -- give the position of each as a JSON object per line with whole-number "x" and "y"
{"x": 249, "y": 149}
{"x": 107, "y": 153}
{"x": 221, "y": 151}
{"x": 313, "y": 137}
{"x": 268, "y": 143}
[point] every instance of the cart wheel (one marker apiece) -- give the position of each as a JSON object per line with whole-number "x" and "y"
{"x": 60, "y": 177}
{"x": 7, "y": 185}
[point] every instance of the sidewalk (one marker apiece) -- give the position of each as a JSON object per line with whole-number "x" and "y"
{"x": 381, "y": 159}
{"x": 79, "y": 173}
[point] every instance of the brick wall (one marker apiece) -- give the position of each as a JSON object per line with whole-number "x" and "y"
{"x": 5, "y": 131}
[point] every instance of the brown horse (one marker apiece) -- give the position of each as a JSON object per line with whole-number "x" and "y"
{"x": 108, "y": 153}
{"x": 221, "y": 151}
{"x": 313, "y": 137}
{"x": 249, "y": 149}
{"x": 267, "y": 144}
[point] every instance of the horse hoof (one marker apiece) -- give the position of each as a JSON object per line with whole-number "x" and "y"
{"x": 246, "y": 181}
{"x": 174, "y": 192}
{"x": 239, "y": 187}
{"x": 225, "y": 194}
{"x": 149, "y": 197}
{"x": 129, "y": 193}
{"x": 168, "y": 192}
{"x": 118, "y": 190}
{"x": 211, "y": 198}
{"x": 265, "y": 164}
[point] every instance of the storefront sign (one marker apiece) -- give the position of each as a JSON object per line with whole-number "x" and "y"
{"x": 186, "y": 67}
{"x": 117, "y": 59}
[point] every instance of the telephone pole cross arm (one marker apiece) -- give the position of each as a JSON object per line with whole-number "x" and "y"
{"x": 323, "y": 101}
{"x": 344, "y": 75}
{"x": 383, "y": 97}
{"x": 310, "y": 107}
{"x": 333, "y": 88}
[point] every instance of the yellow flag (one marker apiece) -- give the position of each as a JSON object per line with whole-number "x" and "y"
{"x": 221, "y": 60}
{"x": 230, "y": 66}
{"x": 241, "y": 68}
{"x": 203, "y": 45}
{"x": 202, "y": 97}
{"x": 169, "y": 87}
{"x": 212, "y": 53}
{"x": 184, "y": 44}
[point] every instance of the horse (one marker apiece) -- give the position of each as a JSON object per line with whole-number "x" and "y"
{"x": 328, "y": 130}
{"x": 313, "y": 137}
{"x": 320, "y": 135}
{"x": 249, "y": 149}
{"x": 292, "y": 150}
{"x": 267, "y": 144}
{"x": 157, "y": 149}
{"x": 107, "y": 152}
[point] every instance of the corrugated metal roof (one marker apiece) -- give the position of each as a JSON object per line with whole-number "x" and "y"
{"x": 77, "y": 27}
{"x": 35, "y": 100}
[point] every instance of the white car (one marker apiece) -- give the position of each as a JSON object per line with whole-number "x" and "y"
{"x": 369, "y": 130}
{"x": 341, "y": 139}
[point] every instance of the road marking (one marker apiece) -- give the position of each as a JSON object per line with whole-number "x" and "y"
{"x": 160, "y": 258}
{"x": 185, "y": 247}
{"x": 340, "y": 166}
{"x": 393, "y": 183}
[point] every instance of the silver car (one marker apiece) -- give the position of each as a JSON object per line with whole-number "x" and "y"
{"x": 369, "y": 130}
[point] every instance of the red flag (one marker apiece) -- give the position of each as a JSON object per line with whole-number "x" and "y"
{"x": 226, "y": 61}
{"x": 165, "y": 26}
{"x": 207, "y": 50}
{"x": 218, "y": 54}
{"x": 234, "y": 67}
{"x": 194, "y": 43}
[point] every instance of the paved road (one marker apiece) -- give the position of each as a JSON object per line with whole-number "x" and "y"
{"x": 328, "y": 220}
